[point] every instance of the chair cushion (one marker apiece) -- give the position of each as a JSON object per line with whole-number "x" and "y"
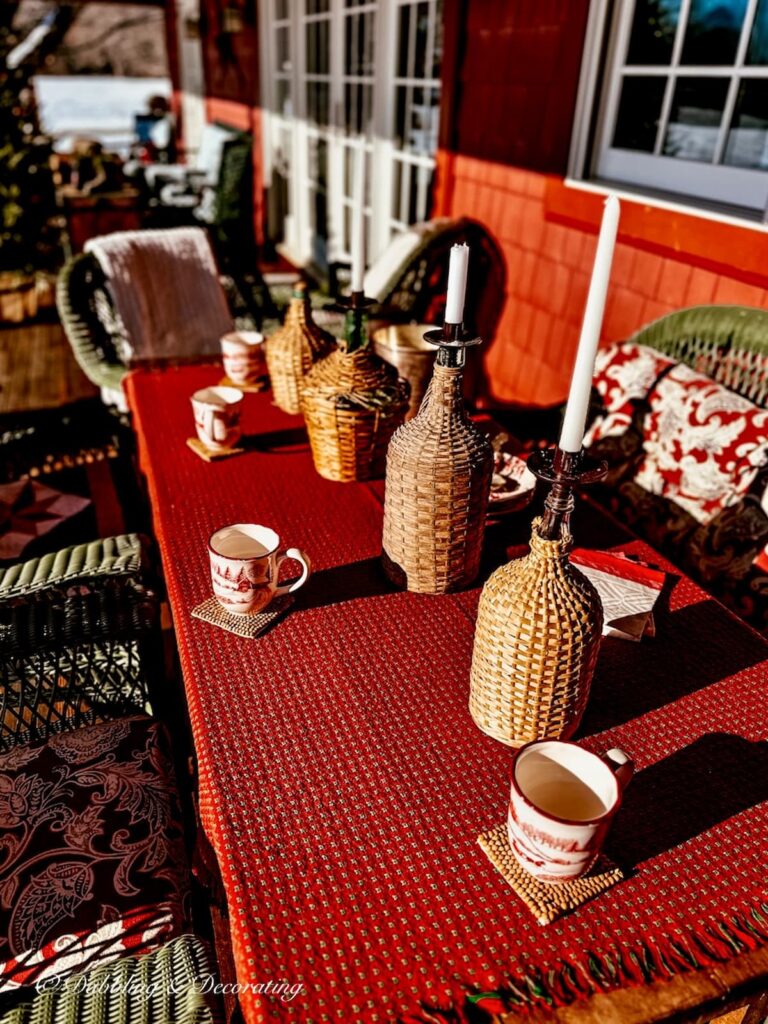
{"x": 703, "y": 444}
{"x": 624, "y": 374}
{"x": 91, "y": 850}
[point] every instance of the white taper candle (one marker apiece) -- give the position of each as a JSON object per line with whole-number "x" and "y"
{"x": 358, "y": 221}
{"x": 572, "y": 434}
{"x": 457, "y": 284}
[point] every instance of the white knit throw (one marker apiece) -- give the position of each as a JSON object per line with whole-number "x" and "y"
{"x": 166, "y": 290}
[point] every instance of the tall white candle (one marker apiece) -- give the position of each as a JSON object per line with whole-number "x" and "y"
{"x": 572, "y": 434}
{"x": 457, "y": 284}
{"x": 358, "y": 221}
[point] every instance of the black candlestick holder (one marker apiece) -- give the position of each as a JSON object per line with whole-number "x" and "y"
{"x": 564, "y": 472}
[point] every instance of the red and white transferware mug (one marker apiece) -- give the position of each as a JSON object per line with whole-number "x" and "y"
{"x": 217, "y": 416}
{"x": 245, "y": 565}
{"x": 242, "y": 353}
{"x": 562, "y": 802}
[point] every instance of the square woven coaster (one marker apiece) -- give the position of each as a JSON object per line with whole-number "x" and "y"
{"x": 248, "y": 626}
{"x": 257, "y": 385}
{"x": 546, "y": 900}
{"x": 211, "y": 454}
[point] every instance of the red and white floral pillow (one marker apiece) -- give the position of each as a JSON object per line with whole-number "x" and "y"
{"x": 703, "y": 444}
{"x": 624, "y": 373}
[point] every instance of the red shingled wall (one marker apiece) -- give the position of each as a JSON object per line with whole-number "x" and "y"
{"x": 509, "y": 85}
{"x": 231, "y": 68}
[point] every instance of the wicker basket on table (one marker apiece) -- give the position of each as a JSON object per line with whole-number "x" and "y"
{"x": 292, "y": 350}
{"x": 539, "y": 625}
{"x": 439, "y": 469}
{"x": 352, "y": 403}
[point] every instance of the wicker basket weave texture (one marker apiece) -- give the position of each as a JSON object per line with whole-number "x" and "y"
{"x": 292, "y": 350}
{"x": 439, "y": 468}
{"x": 539, "y": 625}
{"x": 352, "y": 403}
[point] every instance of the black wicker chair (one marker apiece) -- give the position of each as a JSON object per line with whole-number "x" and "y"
{"x": 79, "y": 640}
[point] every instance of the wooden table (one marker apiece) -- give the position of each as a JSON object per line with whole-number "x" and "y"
{"x": 343, "y": 783}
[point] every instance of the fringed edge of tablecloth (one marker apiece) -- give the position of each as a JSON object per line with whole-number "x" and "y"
{"x": 656, "y": 959}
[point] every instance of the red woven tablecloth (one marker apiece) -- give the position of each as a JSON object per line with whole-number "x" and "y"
{"x": 343, "y": 783}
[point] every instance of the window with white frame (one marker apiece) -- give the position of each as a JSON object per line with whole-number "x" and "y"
{"x": 339, "y": 76}
{"x": 684, "y": 100}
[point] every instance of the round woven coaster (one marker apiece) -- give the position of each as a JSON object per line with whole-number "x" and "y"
{"x": 546, "y": 900}
{"x": 248, "y": 626}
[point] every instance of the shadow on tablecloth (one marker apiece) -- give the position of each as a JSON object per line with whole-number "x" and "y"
{"x": 364, "y": 578}
{"x": 687, "y": 793}
{"x": 694, "y": 647}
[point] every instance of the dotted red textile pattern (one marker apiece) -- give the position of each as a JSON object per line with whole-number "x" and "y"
{"x": 343, "y": 783}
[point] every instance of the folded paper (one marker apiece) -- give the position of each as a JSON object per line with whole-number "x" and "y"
{"x": 628, "y": 589}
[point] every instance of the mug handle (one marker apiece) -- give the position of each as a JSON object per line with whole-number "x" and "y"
{"x": 297, "y": 556}
{"x": 621, "y": 765}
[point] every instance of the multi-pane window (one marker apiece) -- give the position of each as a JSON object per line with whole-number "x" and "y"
{"x": 417, "y": 106}
{"x": 685, "y": 105}
{"x": 343, "y": 78}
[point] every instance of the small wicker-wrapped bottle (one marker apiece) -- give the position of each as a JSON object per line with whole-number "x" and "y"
{"x": 539, "y": 625}
{"x": 439, "y": 468}
{"x": 352, "y": 403}
{"x": 292, "y": 350}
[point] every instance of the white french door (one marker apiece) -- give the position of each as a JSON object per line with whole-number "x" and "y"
{"x": 339, "y": 76}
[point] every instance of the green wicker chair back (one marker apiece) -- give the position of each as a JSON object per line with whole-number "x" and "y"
{"x": 80, "y": 640}
{"x": 111, "y": 556}
{"x": 73, "y": 659}
{"x": 163, "y": 987}
{"x": 89, "y": 321}
{"x": 727, "y": 343}
{"x": 234, "y": 192}
{"x": 424, "y": 275}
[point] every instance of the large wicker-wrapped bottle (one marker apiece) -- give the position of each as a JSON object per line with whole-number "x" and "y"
{"x": 292, "y": 350}
{"x": 352, "y": 403}
{"x": 439, "y": 468}
{"x": 539, "y": 626}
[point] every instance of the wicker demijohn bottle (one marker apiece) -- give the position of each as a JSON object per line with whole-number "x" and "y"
{"x": 539, "y": 625}
{"x": 439, "y": 468}
{"x": 292, "y": 350}
{"x": 352, "y": 402}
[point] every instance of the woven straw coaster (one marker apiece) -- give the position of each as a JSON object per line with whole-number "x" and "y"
{"x": 248, "y": 626}
{"x": 258, "y": 385}
{"x": 546, "y": 900}
{"x": 211, "y": 454}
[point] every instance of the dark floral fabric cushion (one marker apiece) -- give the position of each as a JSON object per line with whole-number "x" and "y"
{"x": 91, "y": 850}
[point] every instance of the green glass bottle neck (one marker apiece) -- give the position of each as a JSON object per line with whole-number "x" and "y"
{"x": 355, "y": 330}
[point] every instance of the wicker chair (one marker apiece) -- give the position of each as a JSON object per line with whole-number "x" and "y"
{"x": 409, "y": 280}
{"x": 727, "y": 554}
{"x": 80, "y": 647}
{"x": 164, "y": 986}
{"x": 91, "y": 326}
{"x": 727, "y": 343}
{"x": 79, "y": 640}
